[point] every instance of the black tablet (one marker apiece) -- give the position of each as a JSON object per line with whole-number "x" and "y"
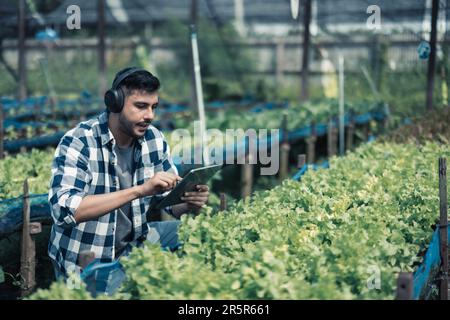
{"x": 188, "y": 183}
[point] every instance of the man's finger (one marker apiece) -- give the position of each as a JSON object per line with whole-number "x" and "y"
{"x": 202, "y": 187}
{"x": 170, "y": 175}
{"x": 198, "y": 204}
{"x": 192, "y": 198}
{"x": 201, "y": 194}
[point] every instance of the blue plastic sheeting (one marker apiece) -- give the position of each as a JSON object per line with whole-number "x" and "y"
{"x": 103, "y": 278}
{"x": 321, "y": 129}
{"x": 48, "y": 34}
{"x": 432, "y": 260}
{"x": 363, "y": 118}
{"x": 38, "y": 142}
{"x": 33, "y": 124}
{"x": 307, "y": 167}
{"x": 215, "y": 104}
{"x": 11, "y": 219}
{"x": 299, "y": 133}
{"x": 378, "y": 115}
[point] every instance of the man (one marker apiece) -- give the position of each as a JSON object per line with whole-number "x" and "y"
{"x": 105, "y": 174}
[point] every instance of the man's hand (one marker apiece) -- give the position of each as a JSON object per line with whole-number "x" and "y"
{"x": 159, "y": 183}
{"x": 196, "y": 199}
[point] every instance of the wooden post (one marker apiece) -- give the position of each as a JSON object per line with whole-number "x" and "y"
{"x": 28, "y": 252}
{"x": 385, "y": 124}
{"x": 311, "y": 145}
{"x": 247, "y": 177}
{"x": 284, "y": 150}
{"x": 404, "y": 286}
{"x": 443, "y": 225}
{"x": 366, "y": 129}
{"x": 350, "y": 132}
{"x": 301, "y": 160}
{"x": 223, "y": 202}
{"x": 101, "y": 48}
{"x": 304, "y": 93}
{"x": 2, "y": 136}
{"x": 331, "y": 138}
{"x": 22, "y": 54}
{"x": 432, "y": 58}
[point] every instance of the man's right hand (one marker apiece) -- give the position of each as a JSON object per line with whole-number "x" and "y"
{"x": 159, "y": 183}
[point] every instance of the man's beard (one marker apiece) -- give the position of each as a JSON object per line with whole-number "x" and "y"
{"x": 127, "y": 127}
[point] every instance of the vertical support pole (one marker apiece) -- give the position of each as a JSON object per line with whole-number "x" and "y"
{"x": 101, "y": 48}
{"x": 366, "y": 131}
{"x": 28, "y": 253}
{"x": 350, "y": 131}
{"x": 341, "y": 106}
{"x": 247, "y": 177}
{"x": 280, "y": 59}
{"x": 2, "y": 136}
{"x": 331, "y": 138}
{"x": 443, "y": 225}
{"x": 304, "y": 93}
{"x": 301, "y": 160}
{"x": 311, "y": 145}
{"x": 239, "y": 17}
{"x": 284, "y": 150}
{"x": 199, "y": 95}
{"x": 22, "y": 53}
{"x": 193, "y": 104}
{"x": 223, "y": 202}
{"x": 404, "y": 286}
{"x": 432, "y": 58}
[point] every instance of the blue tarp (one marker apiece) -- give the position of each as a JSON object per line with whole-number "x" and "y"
{"x": 432, "y": 260}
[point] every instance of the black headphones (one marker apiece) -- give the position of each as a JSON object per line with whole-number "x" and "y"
{"x": 115, "y": 97}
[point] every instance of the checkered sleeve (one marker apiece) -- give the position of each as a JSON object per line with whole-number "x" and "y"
{"x": 70, "y": 180}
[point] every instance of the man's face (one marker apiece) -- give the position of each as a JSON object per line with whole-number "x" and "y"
{"x": 138, "y": 112}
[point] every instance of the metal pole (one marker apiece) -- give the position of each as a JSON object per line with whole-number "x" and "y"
{"x": 101, "y": 49}
{"x": 304, "y": 94}
{"x": 53, "y": 100}
{"x": 22, "y": 54}
{"x": 194, "y": 9}
{"x": 432, "y": 59}
{"x": 341, "y": 106}
{"x": 199, "y": 94}
{"x": 284, "y": 152}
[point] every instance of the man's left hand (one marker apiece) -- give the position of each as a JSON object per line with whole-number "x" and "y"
{"x": 196, "y": 199}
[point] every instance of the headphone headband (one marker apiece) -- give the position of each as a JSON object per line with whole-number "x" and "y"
{"x": 114, "y": 97}
{"x": 122, "y": 77}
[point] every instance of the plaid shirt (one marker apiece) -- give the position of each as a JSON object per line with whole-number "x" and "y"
{"x": 84, "y": 164}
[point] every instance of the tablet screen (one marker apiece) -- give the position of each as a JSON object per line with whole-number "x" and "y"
{"x": 187, "y": 184}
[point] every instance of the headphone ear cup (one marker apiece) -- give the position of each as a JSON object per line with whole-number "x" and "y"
{"x": 112, "y": 101}
{"x": 120, "y": 99}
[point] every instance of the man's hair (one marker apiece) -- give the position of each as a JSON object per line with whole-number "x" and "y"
{"x": 140, "y": 80}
